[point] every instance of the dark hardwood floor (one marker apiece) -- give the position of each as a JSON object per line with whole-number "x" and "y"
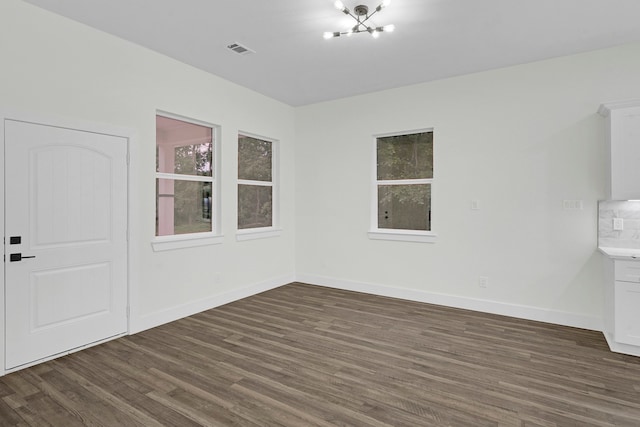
{"x": 304, "y": 355}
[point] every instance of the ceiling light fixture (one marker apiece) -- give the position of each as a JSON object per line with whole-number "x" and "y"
{"x": 361, "y": 15}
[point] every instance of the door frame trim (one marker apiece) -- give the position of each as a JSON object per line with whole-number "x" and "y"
{"x": 88, "y": 126}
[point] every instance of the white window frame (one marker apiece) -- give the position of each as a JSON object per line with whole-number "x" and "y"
{"x": 262, "y": 232}
{"x": 215, "y": 236}
{"x": 376, "y": 233}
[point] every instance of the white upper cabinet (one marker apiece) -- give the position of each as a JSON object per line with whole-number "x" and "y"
{"x": 623, "y": 137}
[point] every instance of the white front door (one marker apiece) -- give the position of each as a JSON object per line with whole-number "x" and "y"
{"x": 66, "y": 240}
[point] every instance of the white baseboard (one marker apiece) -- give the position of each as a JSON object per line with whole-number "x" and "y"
{"x": 141, "y": 323}
{"x": 485, "y": 306}
{"x": 148, "y": 321}
{"x": 617, "y": 347}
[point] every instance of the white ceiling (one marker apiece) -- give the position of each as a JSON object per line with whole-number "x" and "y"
{"x": 434, "y": 39}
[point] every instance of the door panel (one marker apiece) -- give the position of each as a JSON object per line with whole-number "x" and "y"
{"x": 66, "y": 197}
{"x": 70, "y": 203}
{"x": 52, "y": 290}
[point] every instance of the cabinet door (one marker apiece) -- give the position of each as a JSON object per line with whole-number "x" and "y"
{"x": 627, "y": 313}
{"x": 625, "y": 153}
{"x": 627, "y": 271}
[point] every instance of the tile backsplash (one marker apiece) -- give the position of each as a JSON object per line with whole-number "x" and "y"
{"x": 629, "y": 211}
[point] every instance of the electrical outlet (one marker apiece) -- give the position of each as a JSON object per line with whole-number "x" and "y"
{"x": 475, "y": 205}
{"x": 483, "y": 281}
{"x": 572, "y": 205}
{"x": 618, "y": 224}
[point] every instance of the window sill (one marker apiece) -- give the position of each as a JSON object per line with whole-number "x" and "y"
{"x": 404, "y": 236}
{"x": 257, "y": 233}
{"x": 168, "y": 243}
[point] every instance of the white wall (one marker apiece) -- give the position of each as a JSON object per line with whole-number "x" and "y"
{"x": 55, "y": 66}
{"x": 520, "y": 140}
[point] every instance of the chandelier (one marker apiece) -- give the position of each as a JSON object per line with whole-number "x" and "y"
{"x": 361, "y": 15}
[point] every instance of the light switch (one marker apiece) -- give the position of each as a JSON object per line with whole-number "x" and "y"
{"x": 618, "y": 224}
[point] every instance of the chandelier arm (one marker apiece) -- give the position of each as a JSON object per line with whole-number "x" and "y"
{"x": 369, "y": 16}
{"x": 365, "y": 20}
{"x": 348, "y": 12}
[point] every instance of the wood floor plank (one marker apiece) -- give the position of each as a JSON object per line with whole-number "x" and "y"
{"x": 100, "y": 392}
{"x": 303, "y": 355}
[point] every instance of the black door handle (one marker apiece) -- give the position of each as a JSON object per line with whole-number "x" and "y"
{"x": 19, "y": 257}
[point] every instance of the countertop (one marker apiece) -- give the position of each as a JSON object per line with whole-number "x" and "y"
{"x": 621, "y": 253}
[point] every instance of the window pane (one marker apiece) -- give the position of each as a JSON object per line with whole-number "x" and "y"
{"x": 183, "y": 148}
{"x": 405, "y": 156}
{"x": 254, "y": 206}
{"x": 182, "y": 207}
{"x": 254, "y": 159}
{"x": 404, "y": 207}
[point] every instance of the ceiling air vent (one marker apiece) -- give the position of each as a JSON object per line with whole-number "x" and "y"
{"x": 240, "y": 49}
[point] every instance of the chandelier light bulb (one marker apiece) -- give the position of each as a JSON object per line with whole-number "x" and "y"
{"x": 389, "y": 28}
{"x": 341, "y": 7}
{"x": 382, "y": 5}
{"x": 328, "y": 35}
{"x": 375, "y": 34}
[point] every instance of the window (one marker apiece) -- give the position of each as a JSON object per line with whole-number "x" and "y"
{"x": 257, "y": 196}
{"x": 186, "y": 191}
{"x": 402, "y": 187}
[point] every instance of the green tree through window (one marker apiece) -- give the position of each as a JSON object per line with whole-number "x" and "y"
{"x": 404, "y": 175}
{"x": 255, "y": 183}
{"x": 184, "y": 172}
